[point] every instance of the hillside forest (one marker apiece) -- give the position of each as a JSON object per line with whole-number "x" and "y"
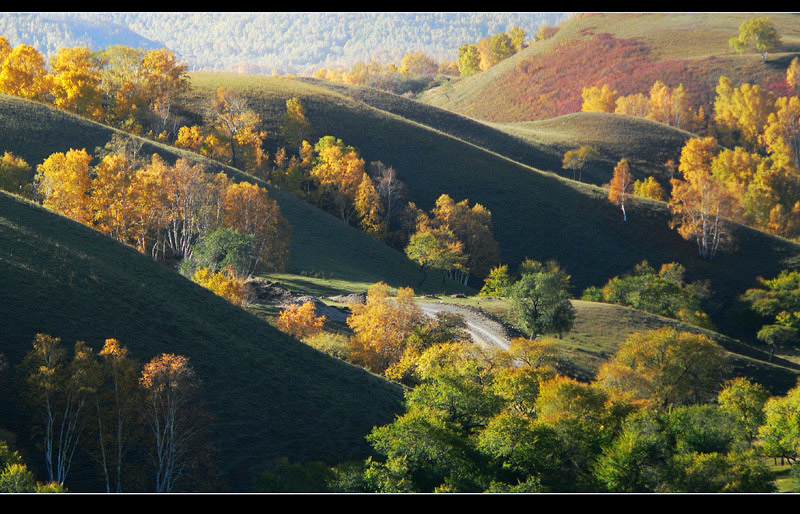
{"x": 669, "y": 407}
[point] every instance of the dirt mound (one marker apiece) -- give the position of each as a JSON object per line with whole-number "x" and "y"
{"x": 349, "y": 298}
{"x": 275, "y": 294}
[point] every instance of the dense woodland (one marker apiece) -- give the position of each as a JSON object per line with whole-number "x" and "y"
{"x": 664, "y": 413}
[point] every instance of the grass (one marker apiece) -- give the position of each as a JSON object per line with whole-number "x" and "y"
{"x": 271, "y": 395}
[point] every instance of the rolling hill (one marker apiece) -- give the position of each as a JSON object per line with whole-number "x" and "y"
{"x": 627, "y": 51}
{"x": 536, "y": 214}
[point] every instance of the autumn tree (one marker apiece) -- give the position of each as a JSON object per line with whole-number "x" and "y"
{"x": 175, "y": 416}
{"x": 793, "y": 73}
{"x": 123, "y": 87}
{"x": 598, "y": 99}
{"x": 238, "y": 125}
{"x": 663, "y": 367}
{"x": 418, "y": 64}
{"x": 225, "y": 283}
{"x": 296, "y": 127}
{"x": 165, "y": 78}
{"x": 702, "y": 205}
{"x": 381, "y": 324}
{"x": 301, "y": 321}
{"x": 391, "y": 191}
{"x": 781, "y": 134}
{"x": 741, "y": 113}
{"x": 23, "y": 73}
{"x": 436, "y": 249}
{"x": 472, "y": 227}
{"x": 113, "y": 192}
{"x": 620, "y": 187}
{"x": 16, "y": 175}
{"x": 76, "y": 82}
{"x": 501, "y": 46}
{"x": 649, "y": 188}
{"x": 117, "y": 407}
{"x": 248, "y": 209}
{"x": 63, "y": 184}
{"x": 338, "y": 170}
{"x": 637, "y": 104}
{"x": 577, "y": 159}
{"x": 60, "y": 392}
{"x": 758, "y": 32}
{"x": 189, "y": 196}
{"x": 497, "y": 283}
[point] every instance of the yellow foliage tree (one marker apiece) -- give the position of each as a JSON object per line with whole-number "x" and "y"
{"x": 742, "y": 113}
{"x": 702, "y": 204}
{"x": 599, "y": 99}
{"x": 380, "y": 326}
{"x": 76, "y": 82}
{"x": 223, "y": 283}
{"x": 63, "y": 184}
{"x": 301, "y": 321}
{"x": 649, "y": 188}
{"x": 23, "y": 73}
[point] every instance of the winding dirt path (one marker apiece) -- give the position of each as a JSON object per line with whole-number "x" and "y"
{"x": 483, "y": 329}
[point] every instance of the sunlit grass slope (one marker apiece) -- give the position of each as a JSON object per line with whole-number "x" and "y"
{"x": 600, "y": 329}
{"x": 627, "y": 51}
{"x": 270, "y": 395}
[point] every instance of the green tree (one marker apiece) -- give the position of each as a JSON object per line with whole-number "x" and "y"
{"x": 745, "y": 400}
{"x": 778, "y": 300}
{"x": 219, "y": 250}
{"x": 540, "y": 302}
{"x": 665, "y": 293}
{"x": 497, "y": 283}
{"x": 469, "y": 60}
{"x": 759, "y": 32}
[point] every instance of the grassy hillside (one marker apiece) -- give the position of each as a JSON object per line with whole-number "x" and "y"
{"x": 535, "y": 214}
{"x": 320, "y": 244}
{"x": 600, "y": 328}
{"x": 629, "y": 52}
{"x": 541, "y": 144}
{"x": 271, "y": 396}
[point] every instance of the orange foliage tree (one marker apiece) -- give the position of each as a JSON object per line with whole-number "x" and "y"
{"x": 620, "y": 186}
{"x": 301, "y": 321}
{"x": 702, "y": 204}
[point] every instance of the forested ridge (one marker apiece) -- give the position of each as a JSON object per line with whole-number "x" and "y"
{"x": 264, "y": 42}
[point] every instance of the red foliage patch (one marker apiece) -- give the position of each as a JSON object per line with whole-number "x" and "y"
{"x": 549, "y": 84}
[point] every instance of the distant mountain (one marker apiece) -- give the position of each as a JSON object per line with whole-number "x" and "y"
{"x": 263, "y": 42}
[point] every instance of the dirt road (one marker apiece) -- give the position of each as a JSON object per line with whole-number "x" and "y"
{"x": 483, "y": 329}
